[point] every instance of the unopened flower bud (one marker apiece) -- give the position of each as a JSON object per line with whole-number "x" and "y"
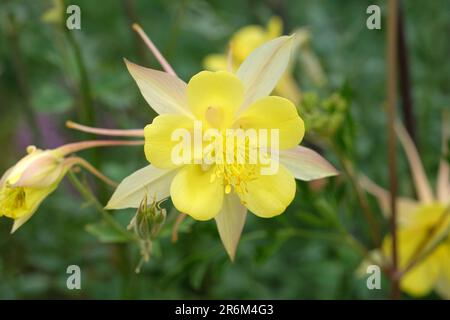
{"x": 149, "y": 219}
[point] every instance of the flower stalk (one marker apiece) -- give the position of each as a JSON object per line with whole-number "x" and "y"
{"x": 88, "y": 195}
{"x": 391, "y": 89}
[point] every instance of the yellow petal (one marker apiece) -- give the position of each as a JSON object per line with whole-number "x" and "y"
{"x": 150, "y": 181}
{"x": 230, "y": 223}
{"x": 421, "y": 278}
{"x": 17, "y": 171}
{"x": 269, "y": 195}
{"x": 159, "y": 144}
{"x": 215, "y": 62}
{"x": 274, "y": 113}
{"x": 262, "y": 69}
{"x": 163, "y": 92}
{"x": 443, "y": 282}
{"x": 214, "y": 97}
{"x": 34, "y": 198}
{"x": 42, "y": 171}
{"x": 194, "y": 193}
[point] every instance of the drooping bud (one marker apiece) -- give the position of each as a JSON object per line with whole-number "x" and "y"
{"x": 38, "y": 169}
{"x": 24, "y": 186}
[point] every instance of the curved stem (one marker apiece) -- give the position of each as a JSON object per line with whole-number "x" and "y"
{"x": 87, "y": 194}
{"x": 349, "y": 171}
{"x": 105, "y": 132}
{"x": 176, "y": 226}
{"x": 83, "y": 163}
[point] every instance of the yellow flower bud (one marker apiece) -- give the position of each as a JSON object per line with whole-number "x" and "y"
{"x": 25, "y": 185}
{"x": 31, "y": 180}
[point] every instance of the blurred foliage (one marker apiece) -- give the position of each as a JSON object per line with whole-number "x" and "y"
{"x": 300, "y": 254}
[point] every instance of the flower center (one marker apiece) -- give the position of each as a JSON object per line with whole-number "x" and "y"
{"x": 12, "y": 199}
{"x": 235, "y": 167}
{"x": 214, "y": 116}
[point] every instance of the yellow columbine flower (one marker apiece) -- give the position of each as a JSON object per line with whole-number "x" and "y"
{"x": 25, "y": 185}
{"x": 243, "y": 42}
{"x": 421, "y": 222}
{"x": 221, "y": 100}
{"x": 31, "y": 180}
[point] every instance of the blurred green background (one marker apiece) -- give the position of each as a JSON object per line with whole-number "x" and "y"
{"x": 49, "y": 75}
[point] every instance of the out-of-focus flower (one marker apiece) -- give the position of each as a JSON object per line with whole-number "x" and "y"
{"x": 248, "y": 38}
{"x": 243, "y": 42}
{"x": 421, "y": 222}
{"x": 222, "y": 100}
{"x": 324, "y": 117}
{"x": 33, "y": 178}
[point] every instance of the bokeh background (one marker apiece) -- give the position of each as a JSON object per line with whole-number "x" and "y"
{"x": 49, "y": 75}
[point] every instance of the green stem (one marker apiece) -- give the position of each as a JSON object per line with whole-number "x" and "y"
{"x": 86, "y": 110}
{"x": 87, "y": 194}
{"x": 350, "y": 172}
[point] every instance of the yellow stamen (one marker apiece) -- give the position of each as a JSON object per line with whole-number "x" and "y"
{"x": 237, "y": 173}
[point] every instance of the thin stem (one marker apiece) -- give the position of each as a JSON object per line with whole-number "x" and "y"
{"x": 87, "y": 194}
{"x": 166, "y": 66}
{"x": 349, "y": 171}
{"x": 79, "y": 146}
{"x": 86, "y": 165}
{"x": 391, "y": 89}
{"x": 176, "y": 226}
{"x": 105, "y": 132}
{"x": 405, "y": 78}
